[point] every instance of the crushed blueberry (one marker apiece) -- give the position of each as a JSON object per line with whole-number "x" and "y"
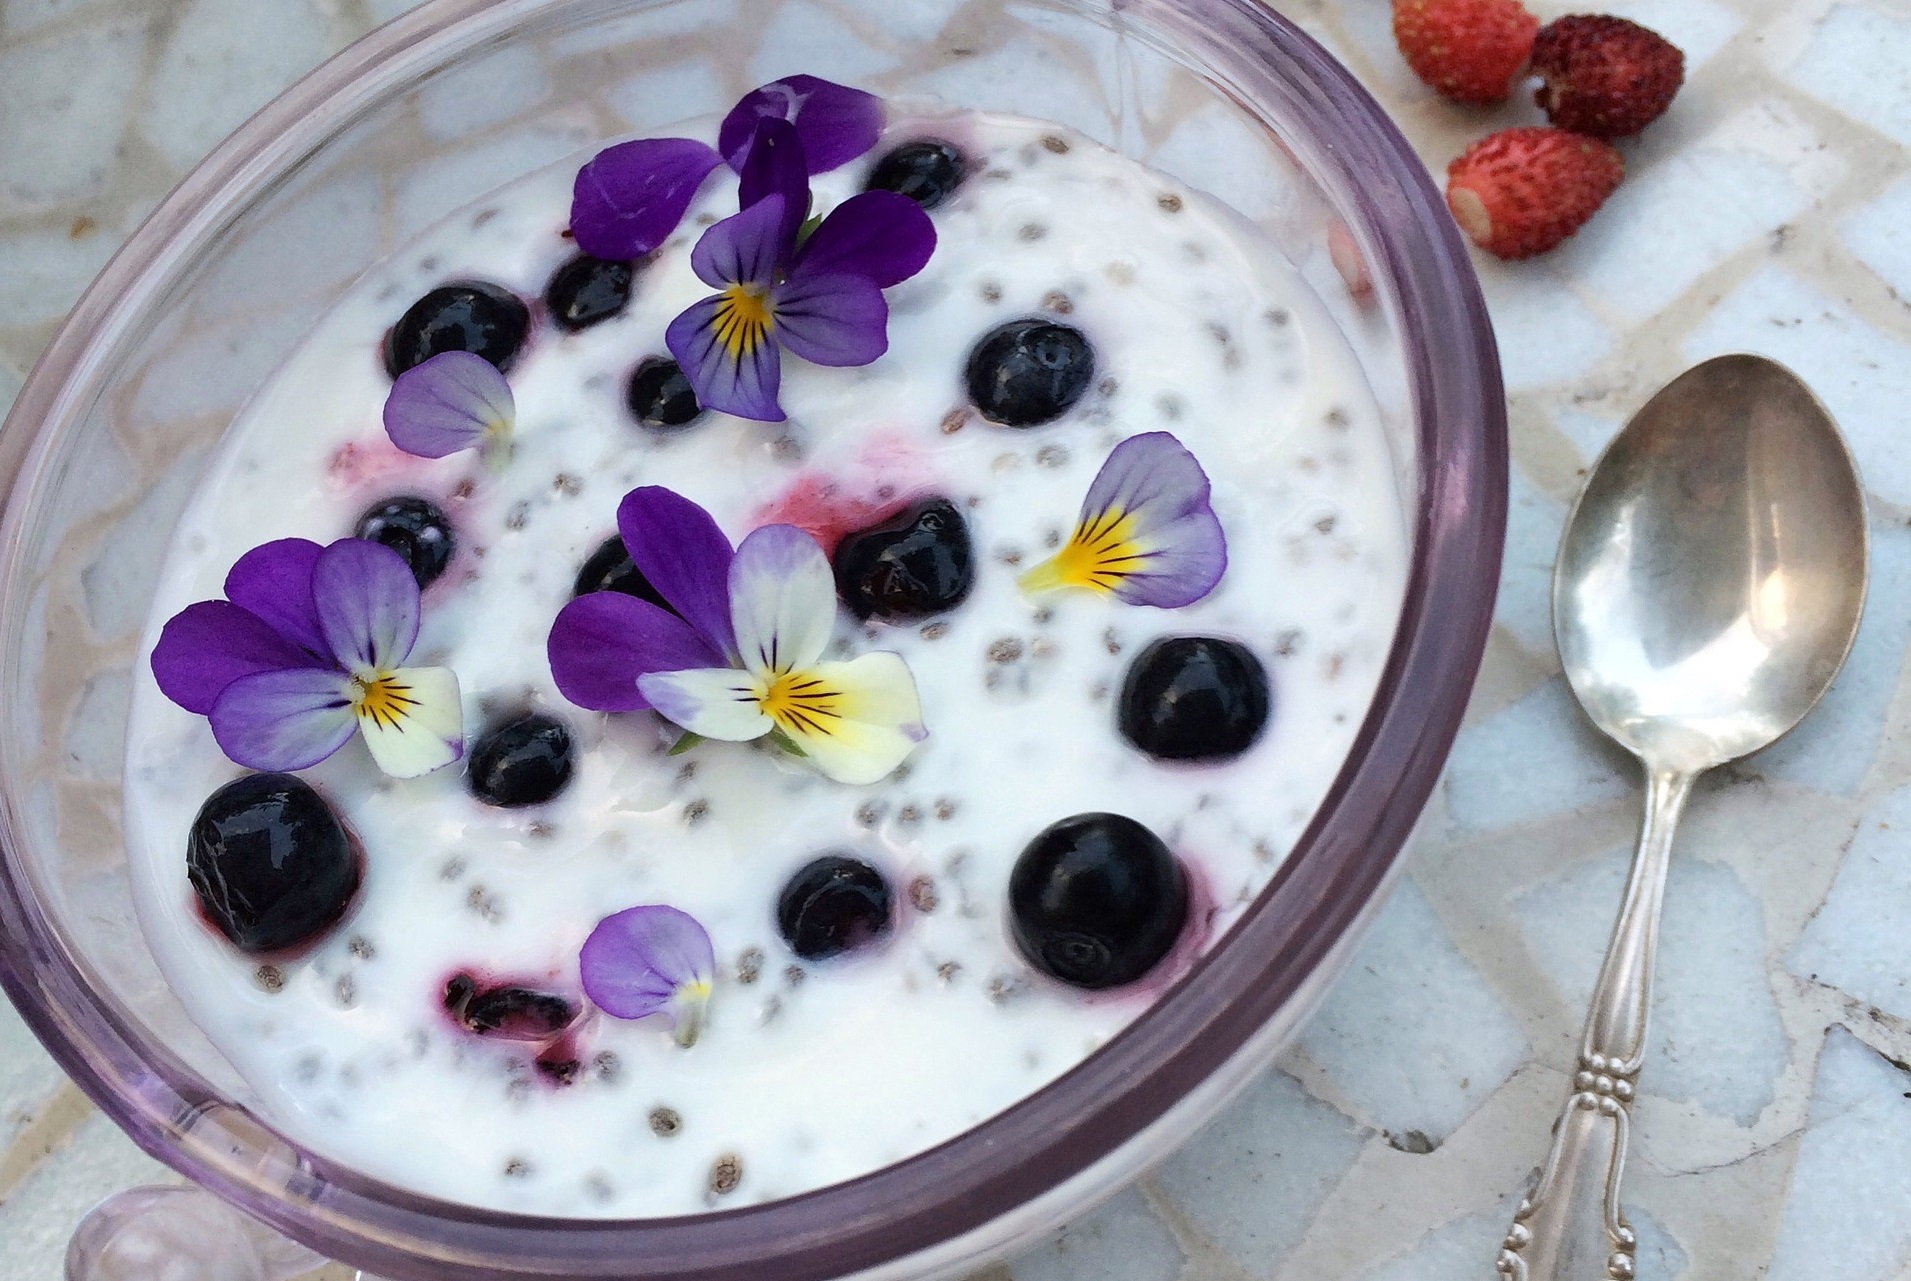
{"x": 468, "y": 315}
{"x": 660, "y": 395}
{"x": 917, "y": 563}
{"x": 587, "y": 291}
{"x": 1029, "y": 372}
{"x": 1096, "y": 901}
{"x": 928, "y": 171}
{"x": 523, "y": 761}
{"x": 506, "y": 1011}
{"x": 270, "y": 862}
{"x": 415, "y": 528}
{"x": 833, "y": 905}
{"x": 610, "y": 569}
{"x": 1194, "y": 698}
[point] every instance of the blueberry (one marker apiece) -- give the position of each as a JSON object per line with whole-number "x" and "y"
{"x": 927, "y": 171}
{"x": 271, "y": 863}
{"x": 1029, "y": 372}
{"x": 416, "y": 529}
{"x": 521, "y": 762}
{"x": 469, "y": 315}
{"x": 587, "y": 291}
{"x": 833, "y": 905}
{"x": 912, "y": 565}
{"x": 1096, "y": 901}
{"x": 610, "y": 569}
{"x": 1194, "y": 698}
{"x": 661, "y": 396}
{"x": 512, "y": 1013}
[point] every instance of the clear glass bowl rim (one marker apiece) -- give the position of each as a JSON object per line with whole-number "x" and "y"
{"x": 1422, "y": 268}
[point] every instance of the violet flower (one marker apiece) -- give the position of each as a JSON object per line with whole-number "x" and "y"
{"x": 822, "y": 302}
{"x": 451, "y": 402}
{"x": 650, "y": 960}
{"x": 1146, "y": 532}
{"x": 835, "y": 124}
{"x": 307, "y": 649}
{"x": 742, "y": 656}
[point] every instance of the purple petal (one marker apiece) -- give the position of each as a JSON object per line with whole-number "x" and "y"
{"x": 205, "y": 647}
{"x": 630, "y": 197}
{"x": 602, "y": 642}
{"x": 1182, "y": 571}
{"x": 735, "y": 369}
{"x": 448, "y": 403}
{"x": 1156, "y": 481}
{"x": 635, "y": 962}
{"x": 367, "y": 603}
{"x": 782, "y": 598}
{"x": 677, "y": 546}
{"x": 288, "y": 720}
{"x": 832, "y": 320}
{"x": 775, "y": 167}
{"x": 836, "y": 123}
{"x": 274, "y": 581}
{"x": 743, "y": 249}
{"x": 878, "y": 234}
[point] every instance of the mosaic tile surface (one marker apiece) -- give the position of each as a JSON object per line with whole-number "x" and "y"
{"x": 1768, "y": 212}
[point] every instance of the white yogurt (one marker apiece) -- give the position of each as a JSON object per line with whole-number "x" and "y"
{"x": 807, "y": 1076}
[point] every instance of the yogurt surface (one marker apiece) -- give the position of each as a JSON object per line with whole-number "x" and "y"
{"x": 806, "y": 1074}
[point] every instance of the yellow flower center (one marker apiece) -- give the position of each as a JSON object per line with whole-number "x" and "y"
{"x": 384, "y": 700}
{"x": 1098, "y": 555}
{"x": 801, "y": 704}
{"x": 742, "y": 322}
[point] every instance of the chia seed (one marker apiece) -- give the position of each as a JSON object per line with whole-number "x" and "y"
{"x": 665, "y": 1122}
{"x": 726, "y": 1174}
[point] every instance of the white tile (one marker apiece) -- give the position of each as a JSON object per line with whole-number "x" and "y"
{"x": 386, "y": 10}
{"x": 36, "y": 1221}
{"x": 28, "y": 1076}
{"x": 1716, "y": 1040}
{"x": 1024, "y": 76}
{"x": 445, "y": 182}
{"x": 1876, "y": 234}
{"x": 1124, "y": 1238}
{"x": 1849, "y": 1213}
{"x": 483, "y": 93}
{"x": 225, "y": 60}
{"x": 1855, "y": 61}
{"x": 213, "y": 371}
{"x": 1835, "y": 745}
{"x": 1525, "y": 606}
{"x": 1591, "y": 433}
{"x": 1253, "y": 1179}
{"x": 1545, "y": 334}
{"x": 1863, "y": 376}
{"x": 1404, "y": 1070}
{"x": 659, "y": 22}
{"x": 118, "y": 586}
{"x": 72, "y": 87}
{"x": 96, "y": 732}
{"x": 667, "y": 94}
{"x": 1538, "y": 757}
{"x": 1464, "y": 1250}
{"x": 42, "y": 274}
{"x": 327, "y": 233}
{"x": 803, "y": 38}
{"x": 25, "y": 15}
{"x": 1857, "y": 940}
{"x": 9, "y": 388}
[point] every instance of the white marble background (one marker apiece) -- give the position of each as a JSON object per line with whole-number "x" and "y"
{"x": 1767, "y": 212}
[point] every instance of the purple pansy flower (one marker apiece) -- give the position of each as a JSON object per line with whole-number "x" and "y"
{"x": 1146, "y": 532}
{"x": 650, "y": 960}
{"x": 836, "y": 124}
{"x": 451, "y": 402}
{"x": 741, "y": 657}
{"x": 307, "y": 649}
{"x": 823, "y": 302}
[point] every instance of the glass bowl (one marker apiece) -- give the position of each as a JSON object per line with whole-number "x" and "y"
{"x": 110, "y": 433}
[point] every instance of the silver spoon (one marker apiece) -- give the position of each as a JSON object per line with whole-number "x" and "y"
{"x": 1707, "y": 590}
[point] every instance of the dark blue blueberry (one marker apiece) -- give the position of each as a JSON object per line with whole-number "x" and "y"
{"x": 833, "y": 905}
{"x": 587, "y": 291}
{"x": 927, "y": 171}
{"x": 1096, "y": 901}
{"x": 511, "y": 1013}
{"x": 417, "y": 530}
{"x": 270, "y": 862}
{"x": 468, "y": 315}
{"x": 914, "y": 564}
{"x": 1194, "y": 698}
{"x": 521, "y": 762}
{"x": 1029, "y": 372}
{"x": 661, "y": 396}
{"x": 610, "y": 569}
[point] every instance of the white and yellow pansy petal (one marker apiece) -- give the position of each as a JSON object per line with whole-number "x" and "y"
{"x": 715, "y": 702}
{"x": 411, "y": 717}
{"x": 782, "y": 600}
{"x": 855, "y": 721}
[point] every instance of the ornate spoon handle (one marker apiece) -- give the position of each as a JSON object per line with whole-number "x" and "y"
{"x": 1570, "y": 1226}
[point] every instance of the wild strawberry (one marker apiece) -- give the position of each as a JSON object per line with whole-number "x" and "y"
{"x": 1606, "y": 77}
{"x": 1520, "y": 192}
{"x": 1470, "y": 50}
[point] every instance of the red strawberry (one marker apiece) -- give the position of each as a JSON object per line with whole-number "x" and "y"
{"x": 1467, "y": 49}
{"x": 1605, "y": 76}
{"x": 1519, "y": 192}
